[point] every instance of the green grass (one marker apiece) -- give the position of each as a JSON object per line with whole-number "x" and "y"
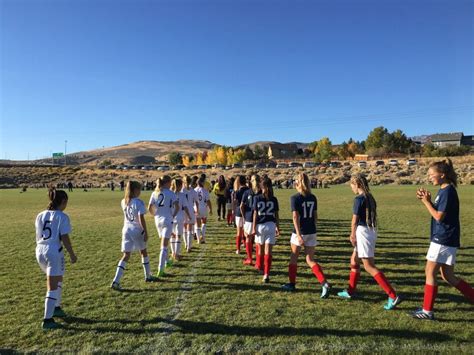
{"x": 211, "y": 302}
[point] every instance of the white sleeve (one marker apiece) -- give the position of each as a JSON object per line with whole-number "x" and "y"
{"x": 65, "y": 225}
{"x": 141, "y": 207}
{"x": 152, "y": 199}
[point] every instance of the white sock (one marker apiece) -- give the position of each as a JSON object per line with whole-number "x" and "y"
{"x": 198, "y": 232}
{"x": 50, "y": 303}
{"x": 146, "y": 266}
{"x": 185, "y": 239}
{"x": 163, "y": 258}
{"x": 203, "y": 228}
{"x": 178, "y": 245}
{"x": 120, "y": 269}
{"x": 173, "y": 244}
{"x": 59, "y": 294}
{"x": 190, "y": 240}
{"x": 196, "y": 229}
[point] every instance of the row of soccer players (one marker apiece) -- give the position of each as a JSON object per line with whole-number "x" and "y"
{"x": 53, "y": 229}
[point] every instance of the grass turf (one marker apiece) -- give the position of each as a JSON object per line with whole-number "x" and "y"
{"x": 211, "y": 302}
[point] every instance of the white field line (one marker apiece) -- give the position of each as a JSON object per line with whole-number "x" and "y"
{"x": 185, "y": 289}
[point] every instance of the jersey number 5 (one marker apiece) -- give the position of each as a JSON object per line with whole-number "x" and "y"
{"x": 46, "y": 228}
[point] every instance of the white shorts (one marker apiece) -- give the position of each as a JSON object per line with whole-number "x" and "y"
{"x": 193, "y": 218}
{"x": 366, "y": 238}
{"x": 239, "y": 222}
{"x": 51, "y": 261}
{"x": 202, "y": 213}
{"x": 178, "y": 227}
{"x": 441, "y": 254}
{"x": 310, "y": 240}
{"x": 164, "y": 226}
{"x": 133, "y": 239}
{"x": 248, "y": 227}
{"x": 266, "y": 233}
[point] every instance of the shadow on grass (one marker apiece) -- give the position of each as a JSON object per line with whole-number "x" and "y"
{"x": 163, "y": 325}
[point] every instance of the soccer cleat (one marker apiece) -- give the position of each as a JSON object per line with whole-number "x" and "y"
{"x": 266, "y": 279}
{"x": 421, "y": 314}
{"x": 237, "y": 251}
{"x": 247, "y": 262}
{"x": 58, "y": 312}
{"x": 344, "y": 294}
{"x": 325, "y": 290}
{"x": 50, "y": 324}
{"x": 290, "y": 287}
{"x": 169, "y": 263}
{"x": 151, "y": 278}
{"x": 392, "y": 303}
{"x": 116, "y": 286}
{"x": 161, "y": 273}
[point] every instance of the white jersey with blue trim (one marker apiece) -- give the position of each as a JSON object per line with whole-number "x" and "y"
{"x": 50, "y": 226}
{"x": 132, "y": 212}
{"x": 191, "y": 197}
{"x": 202, "y": 197}
{"x": 163, "y": 201}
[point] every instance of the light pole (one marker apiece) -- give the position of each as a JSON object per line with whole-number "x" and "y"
{"x": 65, "y": 152}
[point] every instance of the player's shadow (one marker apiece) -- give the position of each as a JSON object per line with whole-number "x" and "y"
{"x": 163, "y": 325}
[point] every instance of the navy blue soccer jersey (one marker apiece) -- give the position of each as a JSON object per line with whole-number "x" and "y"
{"x": 266, "y": 209}
{"x": 238, "y": 200}
{"x": 247, "y": 201}
{"x": 447, "y": 232}
{"x": 306, "y": 206}
{"x": 360, "y": 209}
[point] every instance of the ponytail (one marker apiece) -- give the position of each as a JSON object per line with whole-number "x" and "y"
{"x": 130, "y": 189}
{"x": 371, "y": 206}
{"x": 267, "y": 188}
{"x": 56, "y": 198}
{"x": 161, "y": 182}
{"x": 176, "y": 185}
{"x": 446, "y": 167}
{"x": 305, "y": 187}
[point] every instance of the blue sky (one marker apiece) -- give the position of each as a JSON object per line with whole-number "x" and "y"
{"x": 101, "y": 73}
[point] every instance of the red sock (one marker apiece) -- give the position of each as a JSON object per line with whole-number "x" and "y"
{"x": 383, "y": 282}
{"x": 249, "y": 248}
{"x": 466, "y": 290}
{"x": 257, "y": 256}
{"x": 268, "y": 264}
{"x": 353, "y": 279}
{"x": 292, "y": 268}
{"x": 262, "y": 257}
{"x": 318, "y": 272}
{"x": 430, "y": 295}
{"x": 237, "y": 241}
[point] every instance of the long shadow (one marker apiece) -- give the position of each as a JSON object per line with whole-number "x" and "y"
{"x": 214, "y": 328}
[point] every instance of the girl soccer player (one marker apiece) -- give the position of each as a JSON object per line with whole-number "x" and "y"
{"x": 190, "y": 220}
{"x": 178, "y": 222}
{"x": 201, "y": 212}
{"x": 164, "y": 206}
{"x": 52, "y": 233}
{"x": 239, "y": 188}
{"x": 220, "y": 192}
{"x": 265, "y": 224}
{"x": 363, "y": 237}
{"x": 304, "y": 206}
{"x": 247, "y": 212}
{"x": 229, "y": 193}
{"x": 134, "y": 232}
{"x": 445, "y": 236}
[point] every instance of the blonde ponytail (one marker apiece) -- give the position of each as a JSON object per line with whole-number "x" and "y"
{"x": 130, "y": 189}
{"x": 304, "y": 184}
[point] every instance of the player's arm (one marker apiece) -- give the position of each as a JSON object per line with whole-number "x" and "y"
{"x": 426, "y": 199}
{"x": 151, "y": 208}
{"x": 355, "y": 220}
{"x": 67, "y": 244}
{"x": 142, "y": 221}
{"x": 176, "y": 208}
{"x": 277, "y": 221}
{"x": 254, "y": 224}
{"x": 296, "y": 224}
{"x": 186, "y": 209}
{"x": 242, "y": 208}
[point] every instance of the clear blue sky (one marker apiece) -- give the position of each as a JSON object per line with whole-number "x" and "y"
{"x": 101, "y": 73}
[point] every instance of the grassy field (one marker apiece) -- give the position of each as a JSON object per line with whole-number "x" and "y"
{"x": 211, "y": 302}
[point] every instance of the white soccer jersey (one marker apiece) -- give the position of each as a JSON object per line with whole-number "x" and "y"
{"x": 50, "y": 226}
{"x": 191, "y": 197}
{"x": 132, "y": 212}
{"x": 182, "y": 202}
{"x": 163, "y": 202}
{"x": 203, "y": 197}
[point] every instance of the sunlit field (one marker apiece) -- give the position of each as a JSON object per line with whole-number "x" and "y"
{"x": 211, "y": 302}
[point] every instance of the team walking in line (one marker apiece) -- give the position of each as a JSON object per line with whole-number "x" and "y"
{"x": 181, "y": 206}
